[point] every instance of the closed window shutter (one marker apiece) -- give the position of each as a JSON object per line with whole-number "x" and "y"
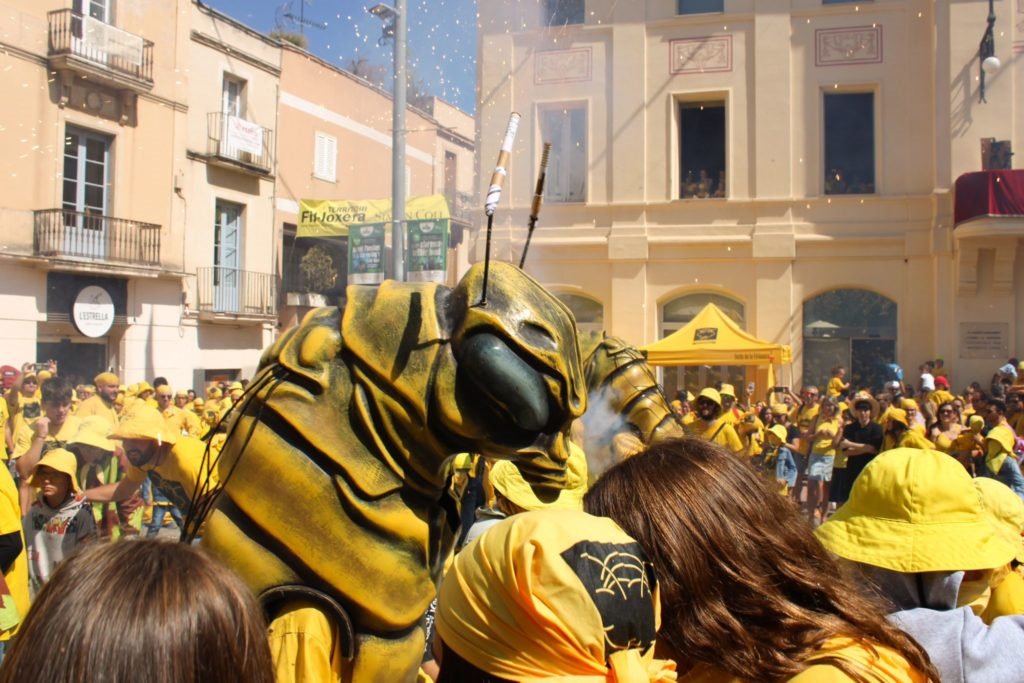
{"x": 325, "y": 161}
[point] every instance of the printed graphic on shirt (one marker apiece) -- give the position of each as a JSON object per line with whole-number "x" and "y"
{"x": 620, "y": 580}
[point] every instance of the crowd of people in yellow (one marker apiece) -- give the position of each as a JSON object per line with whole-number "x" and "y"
{"x": 895, "y": 552}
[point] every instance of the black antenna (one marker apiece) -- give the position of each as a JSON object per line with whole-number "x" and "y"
{"x": 538, "y": 197}
{"x": 286, "y": 16}
{"x": 494, "y": 193}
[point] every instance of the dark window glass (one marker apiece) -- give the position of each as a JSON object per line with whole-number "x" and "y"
{"x": 701, "y": 6}
{"x": 849, "y": 143}
{"x": 702, "y": 150}
{"x": 561, "y": 12}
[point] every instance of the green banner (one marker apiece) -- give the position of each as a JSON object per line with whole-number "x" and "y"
{"x": 366, "y": 254}
{"x": 426, "y": 254}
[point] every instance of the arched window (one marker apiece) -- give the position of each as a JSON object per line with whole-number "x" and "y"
{"x": 852, "y": 328}
{"x": 675, "y": 313}
{"x": 589, "y": 313}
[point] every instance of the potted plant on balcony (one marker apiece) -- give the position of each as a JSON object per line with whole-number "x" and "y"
{"x": 318, "y": 276}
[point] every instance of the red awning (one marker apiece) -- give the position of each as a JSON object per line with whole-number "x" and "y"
{"x": 989, "y": 193}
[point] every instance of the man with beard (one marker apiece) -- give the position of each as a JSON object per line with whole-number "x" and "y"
{"x": 174, "y": 462}
{"x": 103, "y": 402}
{"x": 710, "y": 425}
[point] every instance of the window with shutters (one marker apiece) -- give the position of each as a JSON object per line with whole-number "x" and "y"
{"x": 325, "y": 157}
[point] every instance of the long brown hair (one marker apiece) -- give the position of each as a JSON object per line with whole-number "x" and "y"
{"x": 739, "y": 566}
{"x": 141, "y": 611}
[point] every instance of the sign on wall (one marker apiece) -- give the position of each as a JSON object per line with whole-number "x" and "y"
{"x": 985, "y": 340}
{"x": 334, "y": 217}
{"x": 244, "y": 136}
{"x": 366, "y": 254}
{"x": 93, "y": 311}
{"x": 426, "y": 255}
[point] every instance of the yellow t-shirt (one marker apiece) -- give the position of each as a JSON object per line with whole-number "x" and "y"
{"x": 303, "y": 645}
{"x": 180, "y": 473}
{"x": 10, "y": 521}
{"x": 24, "y": 435}
{"x": 724, "y": 436}
{"x": 836, "y": 387}
{"x": 183, "y": 422}
{"x": 94, "y": 405}
{"x": 882, "y": 665}
{"x": 823, "y": 444}
{"x": 4, "y": 418}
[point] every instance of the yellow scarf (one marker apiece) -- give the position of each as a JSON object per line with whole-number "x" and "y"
{"x": 554, "y": 595}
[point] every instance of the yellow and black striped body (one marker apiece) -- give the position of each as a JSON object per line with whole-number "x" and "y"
{"x": 333, "y": 473}
{"x": 624, "y": 396}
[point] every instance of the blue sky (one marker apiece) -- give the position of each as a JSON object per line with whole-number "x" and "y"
{"x": 442, "y": 37}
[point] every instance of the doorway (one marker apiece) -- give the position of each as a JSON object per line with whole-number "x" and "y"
{"x": 79, "y": 362}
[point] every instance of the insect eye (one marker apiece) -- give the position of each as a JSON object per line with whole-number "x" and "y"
{"x": 537, "y": 336}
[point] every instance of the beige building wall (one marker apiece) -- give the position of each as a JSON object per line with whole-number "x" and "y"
{"x": 142, "y": 116}
{"x": 776, "y": 239}
{"x": 318, "y": 100}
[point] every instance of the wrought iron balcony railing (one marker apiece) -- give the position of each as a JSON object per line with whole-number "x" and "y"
{"x": 235, "y": 139}
{"x": 76, "y": 35}
{"x": 237, "y": 292}
{"x": 85, "y": 235}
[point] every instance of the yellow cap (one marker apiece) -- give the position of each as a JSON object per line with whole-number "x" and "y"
{"x": 62, "y": 461}
{"x": 93, "y": 431}
{"x": 236, "y": 386}
{"x": 214, "y": 392}
{"x": 198, "y": 402}
{"x": 914, "y": 510}
{"x": 909, "y": 403}
{"x": 712, "y": 395}
{"x": 508, "y": 481}
{"x": 106, "y": 378}
{"x": 44, "y": 375}
{"x": 976, "y": 423}
{"x": 144, "y": 422}
{"x": 181, "y": 393}
{"x": 727, "y": 390}
{"x": 780, "y": 409}
{"x": 142, "y": 387}
{"x": 1006, "y": 510}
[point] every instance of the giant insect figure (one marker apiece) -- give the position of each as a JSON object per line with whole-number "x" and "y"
{"x": 332, "y": 472}
{"x": 624, "y": 396}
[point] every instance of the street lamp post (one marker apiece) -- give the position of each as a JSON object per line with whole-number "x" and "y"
{"x": 395, "y": 25}
{"x": 988, "y": 62}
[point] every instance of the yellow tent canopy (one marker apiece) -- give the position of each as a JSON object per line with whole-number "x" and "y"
{"x": 711, "y": 338}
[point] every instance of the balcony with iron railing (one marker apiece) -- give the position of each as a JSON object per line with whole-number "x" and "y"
{"x": 240, "y": 143}
{"x": 99, "y": 51}
{"x": 63, "y": 233}
{"x": 235, "y": 292}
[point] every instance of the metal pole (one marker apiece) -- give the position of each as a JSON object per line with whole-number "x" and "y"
{"x": 398, "y": 146}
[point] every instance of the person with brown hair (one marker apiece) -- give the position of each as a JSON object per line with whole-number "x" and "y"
{"x": 747, "y": 592}
{"x": 186, "y": 619}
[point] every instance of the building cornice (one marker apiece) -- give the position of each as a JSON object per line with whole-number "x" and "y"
{"x": 21, "y": 53}
{"x": 221, "y": 46}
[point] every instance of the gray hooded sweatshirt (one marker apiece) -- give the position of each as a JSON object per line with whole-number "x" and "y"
{"x": 961, "y": 646}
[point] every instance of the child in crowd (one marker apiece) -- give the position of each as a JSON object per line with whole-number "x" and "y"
{"x": 999, "y": 462}
{"x": 778, "y": 459}
{"x": 59, "y": 520}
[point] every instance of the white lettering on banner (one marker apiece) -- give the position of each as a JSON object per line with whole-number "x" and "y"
{"x": 111, "y": 41}
{"x": 93, "y": 311}
{"x": 244, "y": 136}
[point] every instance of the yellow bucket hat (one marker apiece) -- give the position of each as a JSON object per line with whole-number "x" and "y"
{"x": 144, "y": 422}
{"x": 93, "y": 431}
{"x": 214, "y": 392}
{"x": 508, "y": 481}
{"x": 914, "y": 510}
{"x": 976, "y": 423}
{"x": 62, "y": 461}
{"x": 142, "y": 387}
{"x": 727, "y": 390}
{"x": 554, "y": 594}
{"x": 236, "y": 386}
{"x": 712, "y": 395}
{"x": 1006, "y": 510}
{"x": 898, "y": 415}
{"x": 909, "y": 403}
{"x": 779, "y": 432}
